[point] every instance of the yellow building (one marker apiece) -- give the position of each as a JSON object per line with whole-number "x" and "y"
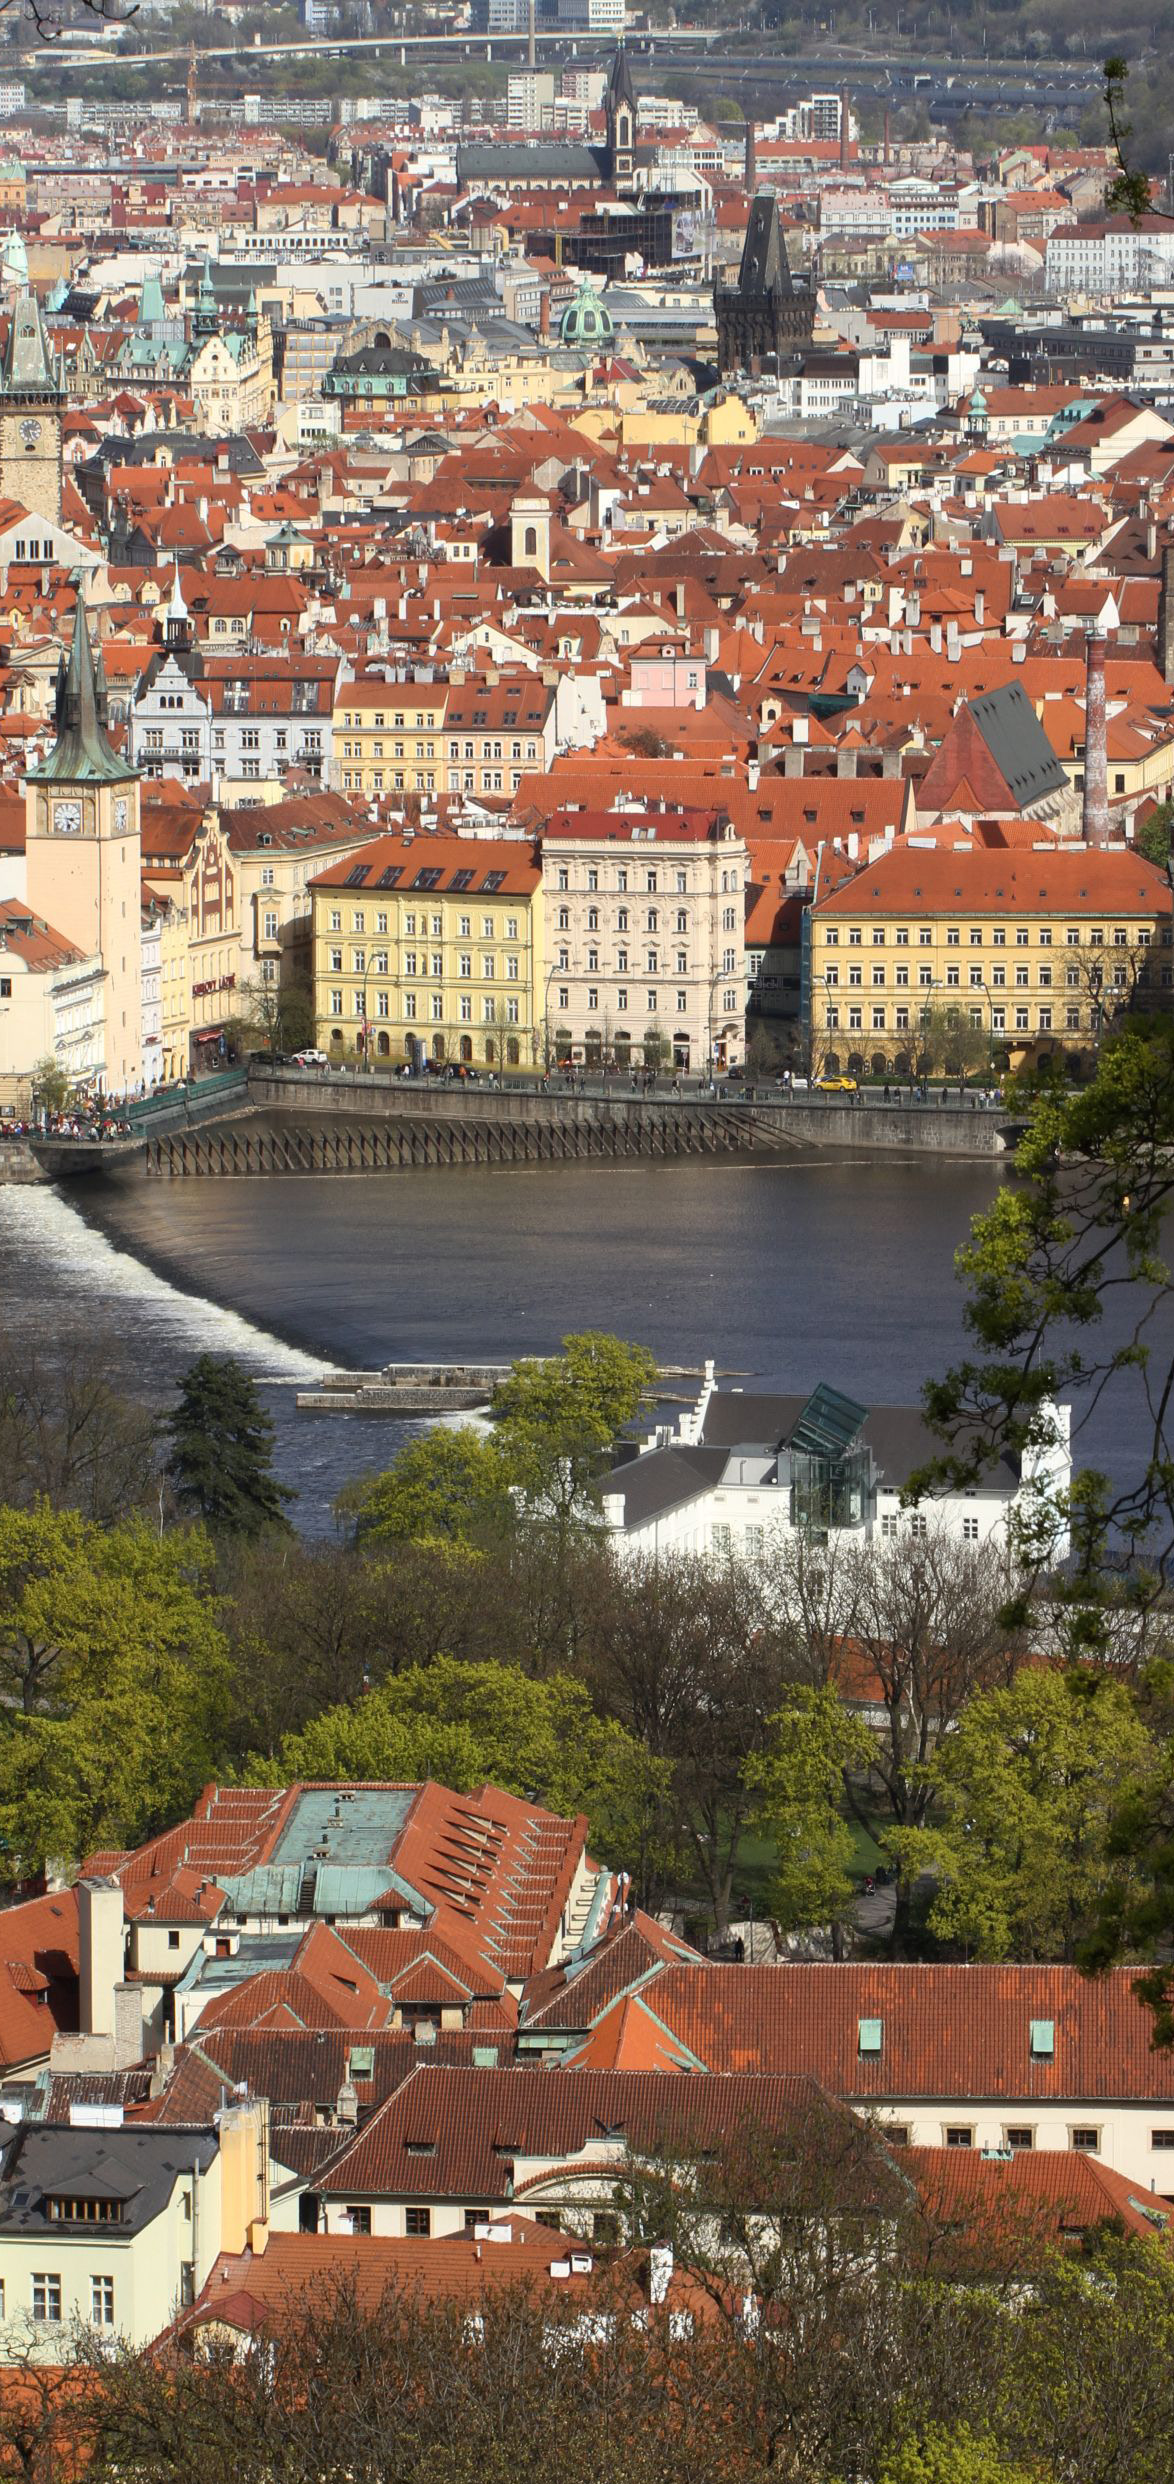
{"x": 431, "y": 948}
{"x": 1036, "y": 951}
{"x": 389, "y": 737}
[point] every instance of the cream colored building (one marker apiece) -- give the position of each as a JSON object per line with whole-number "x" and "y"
{"x": 645, "y": 916}
{"x": 389, "y": 737}
{"x": 111, "y": 2228}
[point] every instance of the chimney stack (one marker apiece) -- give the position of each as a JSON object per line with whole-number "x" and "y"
{"x": 1095, "y": 825}
{"x": 1166, "y": 616}
{"x": 888, "y": 144}
{"x": 750, "y": 161}
{"x": 845, "y": 122}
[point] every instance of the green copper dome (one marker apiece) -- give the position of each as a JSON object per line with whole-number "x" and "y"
{"x": 586, "y": 322}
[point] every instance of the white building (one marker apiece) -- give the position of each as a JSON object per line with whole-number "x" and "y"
{"x": 112, "y": 2228}
{"x": 1115, "y": 257}
{"x": 743, "y": 1472}
{"x": 529, "y": 98}
{"x": 645, "y": 914}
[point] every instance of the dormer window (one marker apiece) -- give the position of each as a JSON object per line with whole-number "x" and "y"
{"x": 66, "y": 2209}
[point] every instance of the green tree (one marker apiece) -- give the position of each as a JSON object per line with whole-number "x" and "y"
{"x": 275, "y": 1017}
{"x": 1025, "y": 1793}
{"x": 557, "y": 1418}
{"x": 1076, "y": 2384}
{"x": 115, "y": 1676}
{"x": 799, "y": 1783}
{"x": 941, "y": 2455}
{"x": 451, "y": 1485}
{"x": 221, "y": 1461}
{"x": 1153, "y": 837}
{"x": 52, "y": 1085}
{"x": 475, "y": 1724}
{"x": 1078, "y": 1234}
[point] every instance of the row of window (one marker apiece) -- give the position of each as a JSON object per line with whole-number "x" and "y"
{"x": 651, "y": 919}
{"x": 1077, "y": 936}
{"x": 490, "y": 925}
{"x": 416, "y": 962}
{"x": 428, "y": 750}
{"x": 1047, "y": 1021}
{"x": 1114, "y": 978}
{"x": 652, "y": 962}
{"x": 650, "y": 881}
{"x": 730, "y": 1001}
{"x": 436, "y": 1009}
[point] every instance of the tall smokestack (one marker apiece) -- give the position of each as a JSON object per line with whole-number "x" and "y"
{"x": 1095, "y": 824}
{"x": 845, "y": 125}
{"x": 1165, "y": 648}
{"x": 750, "y": 161}
{"x": 531, "y": 43}
{"x": 888, "y": 138}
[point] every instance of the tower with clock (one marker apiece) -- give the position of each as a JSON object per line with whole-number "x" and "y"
{"x": 84, "y": 850}
{"x": 32, "y": 401}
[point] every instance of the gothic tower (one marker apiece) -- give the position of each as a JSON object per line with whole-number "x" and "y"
{"x": 31, "y": 404}
{"x": 761, "y": 315}
{"x": 84, "y": 851}
{"x": 619, "y": 103}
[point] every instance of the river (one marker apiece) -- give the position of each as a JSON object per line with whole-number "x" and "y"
{"x": 786, "y": 1272}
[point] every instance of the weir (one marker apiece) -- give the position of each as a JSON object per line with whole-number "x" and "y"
{"x": 295, "y": 1121}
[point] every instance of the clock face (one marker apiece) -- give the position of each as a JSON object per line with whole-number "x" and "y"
{"x": 119, "y": 816}
{"x": 30, "y": 431}
{"x": 67, "y": 818}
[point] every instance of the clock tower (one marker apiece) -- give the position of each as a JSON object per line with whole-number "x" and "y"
{"x": 32, "y": 401}
{"x": 84, "y": 851}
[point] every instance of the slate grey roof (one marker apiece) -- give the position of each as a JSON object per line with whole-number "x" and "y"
{"x": 665, "y": 1479}
{"x": 138, "y": 2167}
{"x": 898, "y": 1436}
{"x": 1017, "y": 743}
{"x": 552, "y": 159}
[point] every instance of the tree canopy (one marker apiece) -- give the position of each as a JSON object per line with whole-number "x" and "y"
{"x": 474, "y": 1724}
{"x": 221, "y": 1460}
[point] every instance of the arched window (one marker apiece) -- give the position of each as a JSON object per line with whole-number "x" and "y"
{"x": 490, "y": 1051}
{"x": 383, "y": 1045}
{"x": 512, "y": 1051}
{"x": 466, "y": 1047}
{"x": 530, "y": 543}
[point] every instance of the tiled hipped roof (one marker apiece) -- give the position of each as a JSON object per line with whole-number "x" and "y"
{"x": 945, "y": 2030}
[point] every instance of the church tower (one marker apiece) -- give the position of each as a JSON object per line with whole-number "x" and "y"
{"x": 84, "y": 850}
{"x": 619, "y": 103}
{"x": 31, "y": 406}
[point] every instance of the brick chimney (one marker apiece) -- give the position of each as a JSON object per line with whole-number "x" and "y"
{"x": 750, "y": 160}
{"x": 845, "y": 123}
{"x": 1165, "y": 647}
{"x": 1095, "y": 824}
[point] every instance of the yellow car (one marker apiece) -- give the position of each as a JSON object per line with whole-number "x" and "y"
{"x": 836, "y": 1086}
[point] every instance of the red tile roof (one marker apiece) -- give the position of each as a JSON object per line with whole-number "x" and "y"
{"x": 948, "y": 2031}
{"x": 1077, "y": 880}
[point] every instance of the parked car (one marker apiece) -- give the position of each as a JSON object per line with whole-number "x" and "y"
{"x": 312, "y": 1060}
{"x": 836, "y": 1086}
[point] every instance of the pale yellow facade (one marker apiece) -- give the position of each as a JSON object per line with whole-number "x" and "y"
{"x": 389, "y": 737}
{"x": 457, "y": 973}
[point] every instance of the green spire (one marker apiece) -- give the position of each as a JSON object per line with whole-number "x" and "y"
{"x": 81, "y": 753}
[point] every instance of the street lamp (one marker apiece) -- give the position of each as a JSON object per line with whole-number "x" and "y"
{"x": 552, "y": 969}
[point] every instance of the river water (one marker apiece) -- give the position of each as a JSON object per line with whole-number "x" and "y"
{"x": 788, "y": 1273}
